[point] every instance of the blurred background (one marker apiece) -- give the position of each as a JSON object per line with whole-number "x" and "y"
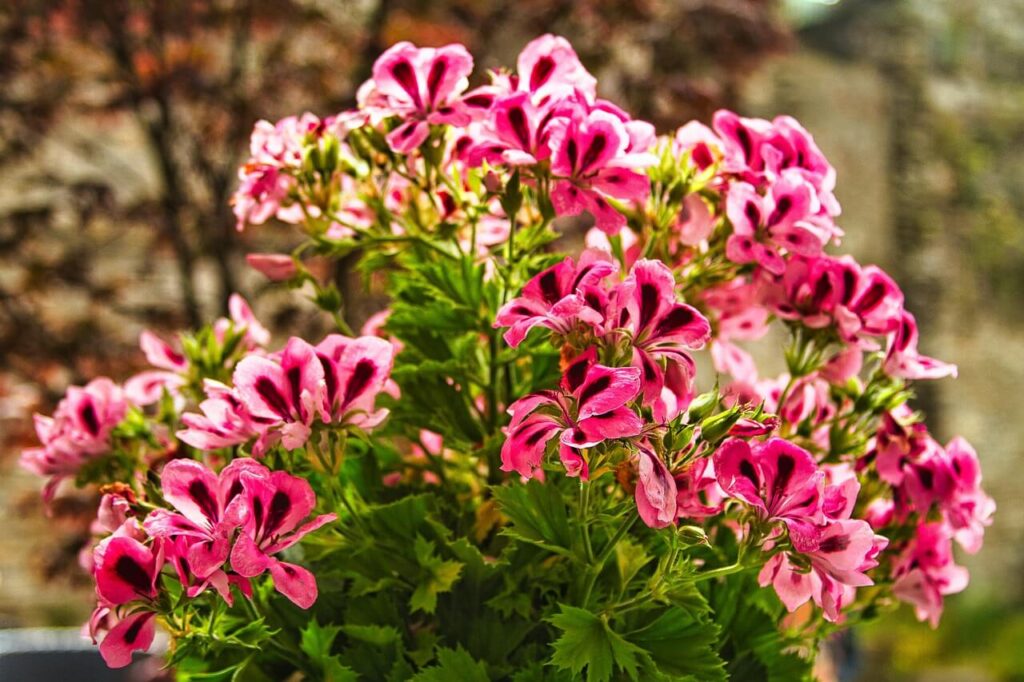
{"x": 122, "y": 123}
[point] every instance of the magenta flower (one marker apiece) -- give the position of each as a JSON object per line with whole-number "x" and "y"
{"x": 592, "y": 162}
{"x": 125, "y": 569}
{"x": 765, "y": 227}
{"x": 276, "y": 503}
{"x": 777, "y": 478}
{"x": 968, "y": 509}
{"x": 277, "y": 267}
{"x": 549, "y": 67}
{"x": 286, "y": 392}
{"x": 560, "y": 298}
{"x": 656, "y": 491}
{"x": 178, "y": 550}
{"x": 133, "y": 632}
{"x": 225, "y": 421}
{"x": 209, "y": 508}
{"x": 663, "y": 330}
{"x": 839, "y": 553}
{"x": 422, "y": 87}
{"x": 925, "y": 572}
{"x": 903, "y": 360}
{"x": 267, "y": 182}
{"x": 590, "y": 408}
{"x": 355, "y": 372}
{"x": 78, "y": 431}
{"x": 698, "y": 494}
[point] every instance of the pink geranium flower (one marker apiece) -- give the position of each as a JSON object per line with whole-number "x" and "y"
{"x": 777, "y": 478}
{"x": 925, "y": 572}
{"x": 592, "y": 162}
{"x": 276, "y": 503}
{"x": 590, "y": 408}
{"x": 560, "y": 298}
{"x": 421, "y": 86}
{"x": 663, "y": 330}
{"x": 78, "y": 431}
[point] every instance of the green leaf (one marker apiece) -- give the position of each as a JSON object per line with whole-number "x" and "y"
{"x": 679, "y": 644}
{"x": 317, "y": 641}
{"x": 538, "y": 515}
{"x": 378, "y": 635}
{"x": 440, "y": 576}
{"x": 588, "y": 642}
{"x": 454, "y": 664}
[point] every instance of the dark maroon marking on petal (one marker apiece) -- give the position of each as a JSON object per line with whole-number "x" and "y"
{"x": 623, "y": 317}
{"x": 257, "y": 512}
{"x": 871, "y": 298}
{"x": 599, "y": 385}
{"x": 956, "y": 467}
{"x": 822, "y": 289}
{"x": 572, "y": 152}
{"x": 132, "y": 633}
{"x": 836, "y": 543}
{"x": 517, "y": 119}
{"x": 593, "y": 300}
{"x": 675, "y": 319}
{"x": 745, "y": 142}
{"x": 294, "y": 375}
{"x": 407, "y": 130}
{"x": 462, "y": 144}
{"x": 549, "y": 287}
{"x": 597, "y": 145}
{"x": 648, "y": 303}
{"x": 200, "y": 494}
{"x": 280, "y": 505}
{"x": 234, "y": 491}
{"x": 288, "y": 569}
{"x": 522, "y": 310}
{"x": 437, "y": 70}
{"x": 406, "y": 77}
{"x": 271, "y": 396}
{"x": 786, "y": 467}
{"x": 781, "y": 209}
{"x": 753, "y": 213}
{"x": 542, "y": 71}
{"x": 578, "y": 436}
{"x": 173, "y": 356}
{"x": 479, "y": 101}
{"x": 330, "y": 378}
{"x": 583, "y": 272}
{"x": 88, "y": 415}
{"x": 903, "y": 340}
{"x": 747, "y": 470}
{"x": 576, "y": 373}
{"x": 649, "y": 371}
{"x": 129, "y": 570}
{"x": 359, "y": 380}
{"x": 927, "y": 479}
{"x": 537, "y": 435}
{"x": 849, "y": 284}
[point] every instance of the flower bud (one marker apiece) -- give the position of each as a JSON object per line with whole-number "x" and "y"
{"x": 276, "y": 267}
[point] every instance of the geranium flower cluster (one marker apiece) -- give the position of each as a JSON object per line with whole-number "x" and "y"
{"x": 280, "y": 397}
{"x": 222, "y": 530}
{"x": 637, "y": 322}
{"x": 820, "y": 481}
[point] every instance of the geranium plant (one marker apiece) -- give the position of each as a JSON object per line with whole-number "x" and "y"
{"x": 532, "y": 465}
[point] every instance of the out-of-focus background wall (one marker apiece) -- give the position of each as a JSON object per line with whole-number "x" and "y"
{"x": 122, "y": 122}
